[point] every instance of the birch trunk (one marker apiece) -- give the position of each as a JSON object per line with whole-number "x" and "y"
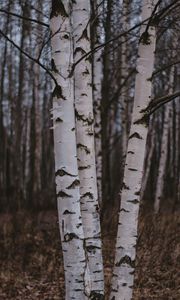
{"x": 123, "y": 274}
{"x": 97, "y": 87}
{"x": 164, "y": 150}
{"x": 149, "y": 156}
{"x": 67, "y": 180}
{"x": 85, "y": 147}
{"x": 124, "y": 74}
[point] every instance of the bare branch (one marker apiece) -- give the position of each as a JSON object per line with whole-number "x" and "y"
{"x": 30, "y": 57}
{"x": 24, "y": 18}
{"x": 165, "y": 67}
{"x": 157, "y": 103}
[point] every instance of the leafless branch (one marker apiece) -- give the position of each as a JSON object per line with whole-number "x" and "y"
{"x": 24, "y": 18}
{"x": 29, "y": 56}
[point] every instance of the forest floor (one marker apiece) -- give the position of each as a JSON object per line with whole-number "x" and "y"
{"x": 31, "y": 262}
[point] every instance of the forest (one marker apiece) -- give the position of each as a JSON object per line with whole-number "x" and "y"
{"x": 89, "y": 149}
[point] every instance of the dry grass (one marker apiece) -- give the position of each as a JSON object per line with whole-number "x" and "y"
{"x": 31, "y": 262}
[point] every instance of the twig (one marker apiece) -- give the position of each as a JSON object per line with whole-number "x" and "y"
{"x": 24, "y": 18}
{"x": 29, "y": 56}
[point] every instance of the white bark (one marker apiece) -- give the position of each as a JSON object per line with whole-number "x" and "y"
{"x": 123, "y": 274}
{"x": 163, "y": 160}
{"x": 67, "y": 180}
{"x": 85, "y": 147}
{"x": 97, "y": 86}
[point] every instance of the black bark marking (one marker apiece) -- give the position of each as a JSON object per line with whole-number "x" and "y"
{"x": 59, "y": 120}
{"x": 137, "y": 193}
{"x": 145, "y": 38}
{"x": 69, "y": 236}
{"x": 90, "y": 133}
{"x": 73, "y": 185}
{"x": 73, "y": 129}
{"x": 79, "y": 49}
{"x": 84, "y": 167}
{"x": 57, "y": 92}
{"x": 66, "y": 36}
{"x": 97, "y": 272}
{"x": 130, "y": 152}
{"x": 124, "y": 284}
{"x": 120, "y": 247}
{"x": 86, "y": 72}
{"x": 123, "y": 209}
{"x": 81, "y": 146}
{"x": 92, "y": 249}
{"x": 79, "y": 117}
{"x": 67, "y": 212}
{"x": 135, "y": 135}
{"x": 126, "y": 260}
{"x": 125, "y": 187}
{"x": 88, "y": 194}
{"x": 62, "y": 172}
{"x": 96, "y": 296}
{"x": 53, "y": 66}
{"x": 134, "y": 201}
{"x": 58, "y": 9}
{"x": 97, "y": 208}
{"x": 78, "y": 225}
{"x": 63, "y": 195}
{"x": 131, "y": 169}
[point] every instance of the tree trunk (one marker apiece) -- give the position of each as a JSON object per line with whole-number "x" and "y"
{"x": 67, "y": 180}
{"x": 37, "y": 121}
{"x": 97, "y": 87}
{"x": 123, "y": 275}
{"x": 85, "y": 147}
{"x": 164, "y": 150}
{"x": 149, "y": 155}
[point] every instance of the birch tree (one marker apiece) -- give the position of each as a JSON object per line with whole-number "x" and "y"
{"x": 85, "y": 147}
{"x": 67, "y": 179}
{"x": 123, "y": 274}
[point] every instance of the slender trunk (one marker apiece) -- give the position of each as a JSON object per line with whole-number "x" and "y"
{"x": 18, "y": 115}
{"x": 164, "y": 149}
{"x": 67, "y": 180}
{"x": 149, "y": 154}
{"x": 3, "y": 179}
{"x": 37, "y": 131}
{"x": 123, "y": 274}
{"x": 124, "y": 73}
{"x": 97, "y": 86}
{"x": 85, "y": 147}
{"x": 177, "y": 143}
{"x": 106, "y": 95}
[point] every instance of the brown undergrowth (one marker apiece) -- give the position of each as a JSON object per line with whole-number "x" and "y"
{"x": 31, "y": 262}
